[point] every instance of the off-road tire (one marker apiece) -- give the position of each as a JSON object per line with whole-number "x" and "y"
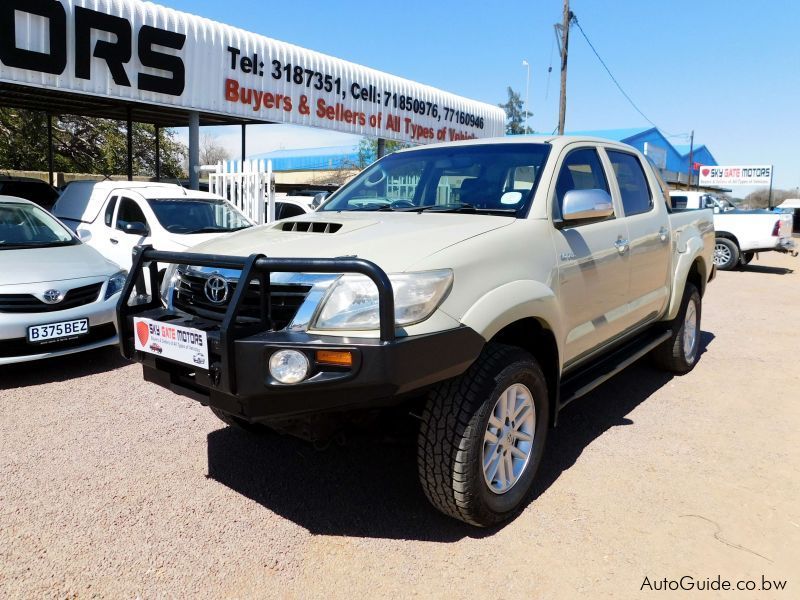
{"x": 451, "y": 437}
{"x": 671, "y": 355}
{"x": 732, "y": 252}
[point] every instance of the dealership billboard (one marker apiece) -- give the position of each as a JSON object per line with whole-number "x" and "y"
{"x": 753, "y": 175}
{"x": 140, "y": 52}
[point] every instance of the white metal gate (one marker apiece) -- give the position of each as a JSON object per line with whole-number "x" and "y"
{"x": 248, "y": 185}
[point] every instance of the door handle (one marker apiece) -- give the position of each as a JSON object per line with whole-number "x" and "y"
{"x": 663, "y": 234}
{"x": 622, "y": 245}
{"x": 113, "y": 241}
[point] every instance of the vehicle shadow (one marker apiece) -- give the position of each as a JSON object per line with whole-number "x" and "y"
{"x": 751, "y": 268}
{"x": 61, "y": 368}
{"x": 370, "y": 489}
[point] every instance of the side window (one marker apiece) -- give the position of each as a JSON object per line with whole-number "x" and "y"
{"x": 581, "y": 170}
{"x": 679, "y": 201}
{"x": 109, "y": 216}
{"x": 633, "y": 186}
{"x": 129, "y": 212}
{"x": 289, "y": 210}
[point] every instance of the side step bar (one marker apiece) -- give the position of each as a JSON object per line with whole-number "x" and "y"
{"x": 584, "y": 380}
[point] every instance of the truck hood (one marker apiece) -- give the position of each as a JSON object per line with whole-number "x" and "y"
{"x": 393, "y": 240}
{"x": 39, "y": 265}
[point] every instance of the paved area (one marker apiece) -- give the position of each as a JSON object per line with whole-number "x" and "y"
{"x": 110, "y": 487}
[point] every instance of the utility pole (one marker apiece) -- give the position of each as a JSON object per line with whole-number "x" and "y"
{"x": 562, "y": 110}
{"x": 691, "y": 162}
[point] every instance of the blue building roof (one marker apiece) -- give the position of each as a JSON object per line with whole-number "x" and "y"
{"x": 312, "y": 159}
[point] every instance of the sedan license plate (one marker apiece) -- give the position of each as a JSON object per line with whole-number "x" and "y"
{"x": 54, "y": 332}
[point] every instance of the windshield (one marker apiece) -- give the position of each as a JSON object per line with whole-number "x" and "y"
{"x": 488, "y": 179}
{"x": 28, "y": 226}
{"x": 197, "y": 216}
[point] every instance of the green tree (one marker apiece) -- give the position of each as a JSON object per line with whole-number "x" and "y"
{"x": 515, "y": 115}
{"x": 84, "y": 145}
{"x": 368, "y": 151}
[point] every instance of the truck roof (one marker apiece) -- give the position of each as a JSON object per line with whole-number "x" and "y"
{"x": 83, "y": 200}
{"x": 553, "y": 140}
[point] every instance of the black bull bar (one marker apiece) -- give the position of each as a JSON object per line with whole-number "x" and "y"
{"x": 254, "y": 267}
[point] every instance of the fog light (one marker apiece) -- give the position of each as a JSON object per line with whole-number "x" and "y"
{"x": 289, "y": 366}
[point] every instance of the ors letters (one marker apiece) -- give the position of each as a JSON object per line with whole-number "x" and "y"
{"x": 116, "y": 54}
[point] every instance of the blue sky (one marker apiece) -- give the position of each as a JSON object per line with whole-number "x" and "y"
{"x": 728, "y": 70}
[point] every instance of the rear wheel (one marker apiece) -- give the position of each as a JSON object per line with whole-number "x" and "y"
{"x": 483, "y": 435}
{"x": 726, "y": 254}
{"x": 679, "y": 353}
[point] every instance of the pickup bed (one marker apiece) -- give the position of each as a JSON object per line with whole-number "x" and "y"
{"x": 740, "y": 234}
{"x": 480, "y": 285}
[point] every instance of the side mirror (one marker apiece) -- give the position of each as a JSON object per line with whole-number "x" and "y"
{"x": 84, "y": 235}
{"x": 580, "y": 205}
{"x": 136, "y": 228}
{"x": 319, "y": 199}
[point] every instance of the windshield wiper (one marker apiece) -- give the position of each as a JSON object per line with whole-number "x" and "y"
{"x": 216, "y": 229}
{"x": 372, "y": 208}
{"x": 463, "y": 208}
{"x": 30, "y": 246}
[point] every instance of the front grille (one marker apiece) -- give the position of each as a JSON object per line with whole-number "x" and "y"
{"x": 21, "y": 347}
{"x": 27, "y": 303}
{"x": 190, "y": 297}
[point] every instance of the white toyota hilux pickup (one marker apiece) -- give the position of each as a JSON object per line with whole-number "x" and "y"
{"x": 482, "y": 284}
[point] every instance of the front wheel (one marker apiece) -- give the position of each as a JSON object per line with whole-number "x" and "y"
{"x": 483, "y": 435}
{"x": 726, "y": 254}
{"x": 679, "y": 353}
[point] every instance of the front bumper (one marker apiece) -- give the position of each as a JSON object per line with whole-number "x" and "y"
{"x": 14, "y": 347}
{"x": 237, "y": 380}
{"x": 382, "y": 372}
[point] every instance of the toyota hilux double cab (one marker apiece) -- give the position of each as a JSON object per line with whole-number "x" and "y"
{"x": 486, "y": 284}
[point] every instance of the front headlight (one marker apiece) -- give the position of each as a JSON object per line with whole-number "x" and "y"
{"x": 169, "y": 282}
{"x": 352, "y": 304}
{"x": 115, "y": 284}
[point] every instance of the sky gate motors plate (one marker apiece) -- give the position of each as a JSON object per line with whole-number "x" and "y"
{"x": 181, "y": 344}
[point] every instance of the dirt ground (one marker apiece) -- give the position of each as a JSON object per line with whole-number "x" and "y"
{"x": 111, "y": 487}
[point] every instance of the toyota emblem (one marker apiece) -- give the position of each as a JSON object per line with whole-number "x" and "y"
{"x": 216, "y": 289}
{"x": 52, "y": 297}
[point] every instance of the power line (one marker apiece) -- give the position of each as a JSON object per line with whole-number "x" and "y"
{"x": 614, "y": 79}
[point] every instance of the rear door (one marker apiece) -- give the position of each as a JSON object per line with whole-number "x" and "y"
{"x": 592, "y": 259}
{"x": 649, "y": 235}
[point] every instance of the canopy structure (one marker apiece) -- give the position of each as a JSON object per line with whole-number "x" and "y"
{"x": 137, "y": 61}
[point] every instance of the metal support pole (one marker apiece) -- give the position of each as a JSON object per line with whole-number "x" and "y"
{"x": 244, "y": 142}
{"x": 158, "y": 153}
{"x": 562, "y": 105}
{"x": 130, "y": 144}
{"x": 50, "y": 158}
{"x": 769, "y": 198}
{"x": 194, "y": 150}
{"x": 381, "y": 148}
{"x": 691, "y": 161}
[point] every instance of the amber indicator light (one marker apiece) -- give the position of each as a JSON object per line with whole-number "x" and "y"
{"x": 337, "y": 358}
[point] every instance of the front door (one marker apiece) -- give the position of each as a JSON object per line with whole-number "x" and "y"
{"x": 122, "y": 244}
{"x": 592, "y": 260}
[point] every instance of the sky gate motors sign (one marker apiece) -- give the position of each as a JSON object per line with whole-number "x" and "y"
{"x": 732, "y": 176}
{"x": 138, "y": 51}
